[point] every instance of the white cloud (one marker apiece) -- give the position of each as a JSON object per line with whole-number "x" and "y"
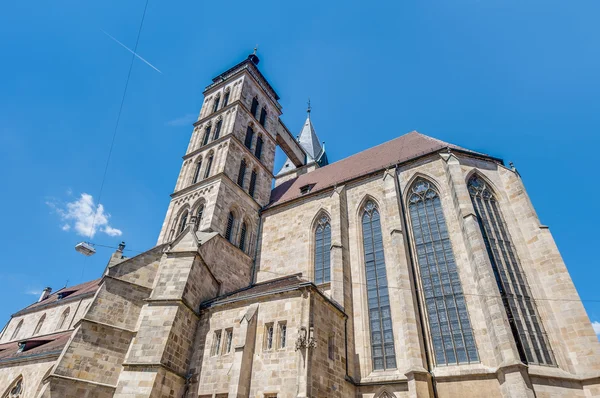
{"x": 33, "y": 292}
{"x": 185, "y": 120}
{"x": 84, "y": 217}
{"x": 596, "y": 326}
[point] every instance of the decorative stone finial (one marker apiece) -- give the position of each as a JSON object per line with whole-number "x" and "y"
{"x": 308, "y": 109}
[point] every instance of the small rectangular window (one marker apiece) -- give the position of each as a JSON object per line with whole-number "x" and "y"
{"x": 331, "y": 347}
{"x": 269, "y": 336}
{"x": 270, "y": 395}
{"x": 228, "y": 340}
{"x": 216, "y": 347}
{"x": 282, "y": 334}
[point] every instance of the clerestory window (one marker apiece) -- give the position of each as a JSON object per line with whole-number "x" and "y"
{"x": 448, "y": 318}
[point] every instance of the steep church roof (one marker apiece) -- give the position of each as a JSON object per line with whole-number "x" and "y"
{"x": 65, "y": 293}
{"x": 398, "y": 150}
{"x": 308, "y": 139}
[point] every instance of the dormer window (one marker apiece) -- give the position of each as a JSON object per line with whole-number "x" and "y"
{"x": 306, "y": 188}
{"x": 21, "y": 346}
{"x": 62, "y": 295}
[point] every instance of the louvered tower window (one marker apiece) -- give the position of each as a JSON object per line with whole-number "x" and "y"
{"x": 263, "y": 116}
{"x": 218, "y": 128}
{"x": 206, "y": 135}
{"x": 529, "y": 333}
{"x": 241, "y": 173}
{"x": 259, "y": 146}
{"x": 208, "y": 167}
{"x": 252, "y": 183}
{"x": 254, "y": 107}
{"x": 449, "y": 325}
{"x": 242, "y": 245}
{"x": 229, "y": 229}
{"x": 249, "y": 136}
{"x": 380, "y": 317}
{"x": 322, "y": 250}
{"x": 197, "y": 171}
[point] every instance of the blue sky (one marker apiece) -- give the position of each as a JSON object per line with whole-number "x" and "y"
{"x": 518, "y": 80}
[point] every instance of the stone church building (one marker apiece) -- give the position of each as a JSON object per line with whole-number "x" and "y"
{"x": 415, "y": 268}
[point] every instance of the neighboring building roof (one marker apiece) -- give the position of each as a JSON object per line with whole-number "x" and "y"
{"x": 398, "y": 150}
{"x": 309, "y": 141}
{"x": 69, "y": 293}
{"x": 272, "y": 286}
{"x": 41, "y": 345}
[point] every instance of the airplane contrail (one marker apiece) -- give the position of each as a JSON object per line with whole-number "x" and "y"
{"x": 131, "y": 51}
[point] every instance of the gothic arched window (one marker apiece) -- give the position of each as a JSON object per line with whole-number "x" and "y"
{"x": 183, "y": 221}
{"x": 17, "y": 330}
{"x": 259, "y": 146}
{"x": 263, "y": 116}
{"x": 249, "y": 137}
{"x": 241, "y": 173}
{"x": 380, "y": 317}
{"x": 323, "y": 250}
{"x": 39, "y": 325}
{"x": 16, "y": 390}
{"x": 216, "y": 103}
{"x": 242, "y": 245}
{"x": 252, "y": 186}
{"x": 206, "y": 135}
{"x": 208, "y": 166}
{"x": 229, "y": 228}
{"x": 449, "y": 324}
{"x": 218, "y": 129}
{"x": 226, "y": 98}
{"x": 520, "y": 307}
{"x": 63, "y": 318}
{"x": 199, "y": 214}
{"x": 197, "y": 171}
{"x": 254, "y": 107}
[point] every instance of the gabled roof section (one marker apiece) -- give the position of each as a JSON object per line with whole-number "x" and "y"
{"x": 309, "y": 141}
{"x": 399, "y": 150}
{"x": 73, "y": 292}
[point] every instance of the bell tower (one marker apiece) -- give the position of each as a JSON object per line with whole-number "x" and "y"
{"x": 227, "y": 170}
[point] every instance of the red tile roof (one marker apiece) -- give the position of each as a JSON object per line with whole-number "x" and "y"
{"x": 77, "y": 290}
{"x": 398, "y": 150}
{"x": 49, "y": 344}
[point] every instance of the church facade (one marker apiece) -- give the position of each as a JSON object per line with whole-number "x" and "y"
{"x": 416, "y": 268}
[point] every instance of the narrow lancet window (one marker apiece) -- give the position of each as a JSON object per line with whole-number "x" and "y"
{"x": 183, "y": 222}
{"x": 218, "y": 129}
{"x": 226, "y": 99}
{"x": 197, "y": 171}
{"x": 242, "y": 244}
{"x": 263, "y": 116}
{"x": 380, "y": 317}
{"x": 206, "y": 135}
{"x": 520, "y": 307}
{"x": 241, "y": 173}
{"x": 254, "y": 107}
{"x": 216, "y": 104}
{"x": 249, "y": 137}
{"x": 252, "y": 183}
{"x": 208, "y": 166}
{"x": 39, "y": 325}
{"x": 229, "y": 229}
{"x": 199, "y": 214}
{"x": 259, "y": 146}
{"x": 322, "y": 250}
{"x": 449, "y": 325}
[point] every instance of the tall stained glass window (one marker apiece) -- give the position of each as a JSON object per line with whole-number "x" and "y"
{"x": 449, "y": 325}
{"x": 380, "y": 317}
{"x": 322, "y": 250}
{"x": 530, "y": 336}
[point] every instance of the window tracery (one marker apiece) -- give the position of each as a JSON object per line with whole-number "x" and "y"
{"x": 322, "y": 267}
{"x": 523, "y": 317}
{"x": 380, "y": 317}
{"x": 16, "y": 391}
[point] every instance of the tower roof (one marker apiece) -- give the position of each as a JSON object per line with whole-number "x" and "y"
{"x": 399, "y": 150}
{"x": 309, "y": 141}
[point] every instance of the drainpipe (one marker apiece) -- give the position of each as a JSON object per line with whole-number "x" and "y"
{"x": 414, "y": 280}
